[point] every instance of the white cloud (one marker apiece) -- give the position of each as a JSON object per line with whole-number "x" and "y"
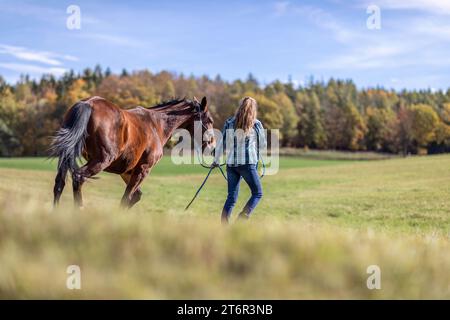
{"x": 111, "y": 39}
{"x": 45, "y": 57}
{"x": 50, "y": 62}
{"x": 69, "y": 57}
{"x": 437, "y": 30}
{"x": 407, "y": 42}
{"x": 32, "y": 69}
{"x": 318, "y": 17}
{"x": 431, "y": 6}
{"x": 395, "y": 80}
{"x": 387, "y": 53}
{"x": 281, "y": 7}
{"x": 44, "y": 13}
{"x": 326, "y": 21}
{"x": 25, "y": 54}
{"x": 366, "y": 57}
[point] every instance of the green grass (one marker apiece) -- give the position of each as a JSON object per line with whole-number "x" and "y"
{"x": 408, "y": 194}
{"x": 164, "y": 167}
{"x": 318, "y": 227}
{"x": 335, "y": 155}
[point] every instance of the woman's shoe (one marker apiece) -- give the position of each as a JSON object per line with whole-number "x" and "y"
{"x": 243, "y": 216}
{"x": 224, "y": 219}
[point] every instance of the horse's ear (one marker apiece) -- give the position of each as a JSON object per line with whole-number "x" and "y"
{"x": 204, "y": 104}
{"x": 196, "y": 100}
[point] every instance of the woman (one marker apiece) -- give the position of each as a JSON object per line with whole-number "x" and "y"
{"x": 242, "y": 139}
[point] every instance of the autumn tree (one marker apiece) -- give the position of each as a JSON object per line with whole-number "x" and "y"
{"x": 77, "y": 90}
{"x": 380, "y": 123}
{"x": 289, "y": 116}
{"x": 424, "y": 122}
{"x": 268, "y": 111}
{"x": 333, "y": 114}
{"x": 9, "y": 119}
{"x": 311, "y": 131}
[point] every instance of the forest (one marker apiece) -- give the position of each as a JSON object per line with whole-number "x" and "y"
{"x": 331, "y": 115}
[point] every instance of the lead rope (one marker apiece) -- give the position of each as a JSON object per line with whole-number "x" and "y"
{"x": 211, "y": 168}
{"x": 258, "y": 155}
{"x": 201, "y": 186}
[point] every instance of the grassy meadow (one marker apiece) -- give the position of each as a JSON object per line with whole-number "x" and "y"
{"x": 320, "y": 224}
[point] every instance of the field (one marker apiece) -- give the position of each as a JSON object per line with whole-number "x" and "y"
{"x": 320, "y": 224}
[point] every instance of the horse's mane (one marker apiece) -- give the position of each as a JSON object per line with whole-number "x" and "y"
{"x": 175, "y": 105}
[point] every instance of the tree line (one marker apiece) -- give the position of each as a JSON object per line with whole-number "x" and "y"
{"x": 319, "y": 115}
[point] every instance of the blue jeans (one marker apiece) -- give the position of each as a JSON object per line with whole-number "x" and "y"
{"x": 251, "y": 177}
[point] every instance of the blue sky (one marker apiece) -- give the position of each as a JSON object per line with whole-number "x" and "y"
{"x": 271, "y": 39}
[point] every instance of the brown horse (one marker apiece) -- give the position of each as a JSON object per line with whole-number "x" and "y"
{"x": 125, "y": 142}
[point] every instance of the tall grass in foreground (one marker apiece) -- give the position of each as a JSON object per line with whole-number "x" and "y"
{"x": 123, "y": 254}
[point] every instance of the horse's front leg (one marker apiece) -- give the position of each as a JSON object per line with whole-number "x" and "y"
{"x": 133, "y": 193}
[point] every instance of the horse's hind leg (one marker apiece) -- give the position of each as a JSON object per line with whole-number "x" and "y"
{"x": 60, "y": 182}
{"x": 87, "y": 171}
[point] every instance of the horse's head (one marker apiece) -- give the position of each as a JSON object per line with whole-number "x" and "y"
{"x": 203, "y": 119}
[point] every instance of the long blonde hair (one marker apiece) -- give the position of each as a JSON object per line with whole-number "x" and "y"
{"x": 246, "y": 114}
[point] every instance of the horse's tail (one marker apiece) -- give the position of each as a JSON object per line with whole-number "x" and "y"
{"x": 69, "y": 141}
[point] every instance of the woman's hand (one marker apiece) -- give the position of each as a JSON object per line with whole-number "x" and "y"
{"x": 215, "y": 164}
